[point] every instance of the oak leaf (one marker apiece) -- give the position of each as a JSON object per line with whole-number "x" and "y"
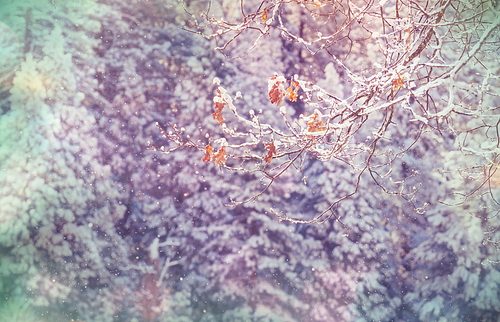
{"x": 220, "y": 156}
{"x": 291, "y": 91}
{"x": 276, "y": 91}
{"x": 271, "y": 151}
{"x": 264, "y": 15}
{"x": 208, "y": 154}
{"x": 219, "y": 106}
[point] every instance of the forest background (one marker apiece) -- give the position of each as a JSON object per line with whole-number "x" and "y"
{"x": 96, "y": 225}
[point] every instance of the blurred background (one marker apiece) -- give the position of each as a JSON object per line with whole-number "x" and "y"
{"x": 97, "y": 226}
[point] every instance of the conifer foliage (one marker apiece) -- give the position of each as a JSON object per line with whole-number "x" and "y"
{"x": 124, "y": 139}
{"x": 418, "y": 53}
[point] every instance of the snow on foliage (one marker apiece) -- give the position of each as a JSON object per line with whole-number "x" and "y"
{"x": 60, "y": 201}
{"x": 97, "y": 226}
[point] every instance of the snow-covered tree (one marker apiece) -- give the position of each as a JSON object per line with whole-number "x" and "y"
{"x": 59, "y": 201}
{"x": 416, "y": 109}
{"x": 396, "y": 58}
{"x": 97, "y": 226}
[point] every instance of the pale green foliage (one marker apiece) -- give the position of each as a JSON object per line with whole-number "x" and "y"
{"x": 58, "y": 202}
{"x": 17, "y": 309}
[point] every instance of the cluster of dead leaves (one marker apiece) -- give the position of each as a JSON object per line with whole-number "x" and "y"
{"x": 398, "y": 82}
{"x": 264, "y": 15}
{"x": 219, "y": 158}
{"x": 219, "y": 106}
{"x": 278, "y": 92}
{"x": 316, "y": 124}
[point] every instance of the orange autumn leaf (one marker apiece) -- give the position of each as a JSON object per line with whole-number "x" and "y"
{"x": 316, "y": 124}
{"x": 220, "y": 156}
{"x": 317, "y": 3}
{"x": 217, "y": 115}
{"x": 291, "y": 91}
{"x": 277, "y": 92}
{"x": 208, "y": 154}
{"x": 264, "y": 15}
{"x": 271, "y": 151}
{"x": 219, "y": 106}
{"x": 398, "y": 82}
